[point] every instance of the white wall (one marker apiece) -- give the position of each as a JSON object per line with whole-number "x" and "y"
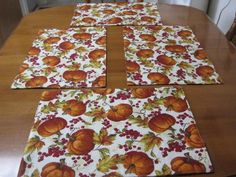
{"x": 227, "y": 16}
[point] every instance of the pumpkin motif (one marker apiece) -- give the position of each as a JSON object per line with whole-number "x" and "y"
{"x": 36, "y": 81}
{"x": 161, "y": 123}
{"x": 119, "y": 112}
{"x": 56, "y": 169}
{"x": 193, "y": 138}
{"x": 132, "y": 66}
{"x": 142, "y": 92}
{"x": 81, "y": 142}
{"x": 51, "y": 126}
{"x": 74, "y": 107}
{"x": 138, "y": 163}
{"x": 186, "y": 165}
{"x": 175, "y": 104}
{"x": 49, "y": 95}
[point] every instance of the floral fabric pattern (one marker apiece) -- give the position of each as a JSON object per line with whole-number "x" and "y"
{"x": 97, "y": 14}
{"x": 70, "y": 58}
{"x": 114, "y": 132}
{"x": 166, "y": 55}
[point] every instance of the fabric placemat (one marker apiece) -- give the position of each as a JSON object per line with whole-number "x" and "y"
{"x": 114, "y": 132}
{"x": 70, "y": 58}
{"x": 97, "y": 14}
{"x": 166, "y": 55}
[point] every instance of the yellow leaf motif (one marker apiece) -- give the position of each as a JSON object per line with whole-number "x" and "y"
{"x": 97, "y": 114}
{"x": 107, "y": 163}
{"x": 150, "y": 140}
{"x": 33, "y": 144}
{"x": 139, "y": 121}
{"x": 35, "y": 173}
{"x": 103, "y": 137}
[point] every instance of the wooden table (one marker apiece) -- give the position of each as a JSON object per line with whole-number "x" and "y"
{"x": 214, "y": 106}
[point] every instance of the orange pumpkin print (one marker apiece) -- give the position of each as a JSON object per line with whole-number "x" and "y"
{"x": 55, "y": 169}
{"x": 23, "y": 67}
{"x": 49, "y": 95}
{"x": 119, "y": 112}
{"x": 147, "y": 19}
{"x": 155, "y": 28}
{"x": 85, "y": 7}
{"x": 161, "y": 123}
{"x": 99, "y": 81}
{"x": 36, "y": 81}
{"x": 132, "y": 66}
{"x": 138, "y": 163}
{"x": 158, "y": 78}
{"x": 33, "y": 51}
{"x": 138, "y": 6}
{"x": 184, "y": 33}
{"x": 129, "y": 13}
{"x": 205, "y": 71}
{"x": 101, "y": 40}
{"x": 74, "y": 76}
{"x": 51, "y": 60}
{"x": 175, "y": 104}
{"x": 74, "y": 107}
{"x": 55, "y": 86}
{"x": 179, "y": 49}
{"x": 82, "y": 36}
{"x": 96, "y": 54}
{"x": 142, "y": 92}
{"x": 66, "y": 45}
{"x": 147, "y": 37}
{"x": 81, "y": 142}
{"x": 127, "y": 30}
{"x": 145, "y": 53}
{"x": 51, "y": 126}
{"x": 126, "y": 43}
{"x": 200, "y": 54}
{"x": 103, "y": 91}
{"x": 193, "y": 138}
{"x": 108, "y": 11}
{"x": 51, "y": 40}
{"x": 114, "y": 20}
{"x": 186, "y": 165}
{"x": 88, "y": 20}
{"x": 165, "y": 60}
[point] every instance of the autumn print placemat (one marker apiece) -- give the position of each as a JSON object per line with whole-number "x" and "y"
{"x": 121, "y": 132}
{"x": 65, "y": 59}
{"x": 97, "y": 14}
{"x": 166, "y": 55}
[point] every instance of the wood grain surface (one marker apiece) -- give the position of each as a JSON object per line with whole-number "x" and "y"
{"x": 214, "y": 106}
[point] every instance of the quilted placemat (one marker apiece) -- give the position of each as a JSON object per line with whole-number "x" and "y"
{"x": 97, "y": 14}
{"x": 65, "y": 59}
{"x": 114, "y": 132}
{"x": 166, "y": 55}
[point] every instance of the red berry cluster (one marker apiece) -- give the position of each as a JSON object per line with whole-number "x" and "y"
{"x": 155, "y": 113}
{"x": 83, "y": 175}
{"x": 137, "y": 76}
{"x": 127, "y": 148}
{"x": 131, "y": 134}
{"x": 87, "y": 159}
{"x": 64, "y": 141}
{"x": 120, "y": 95}
{"x": 173, "y": 146}
{"x": 48, "y": 117}
{"x": 76, "y": 120}
{"x": 183, "y": 116}
{"x": 52, "y": 151}
{"x": 106, "y": 123}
